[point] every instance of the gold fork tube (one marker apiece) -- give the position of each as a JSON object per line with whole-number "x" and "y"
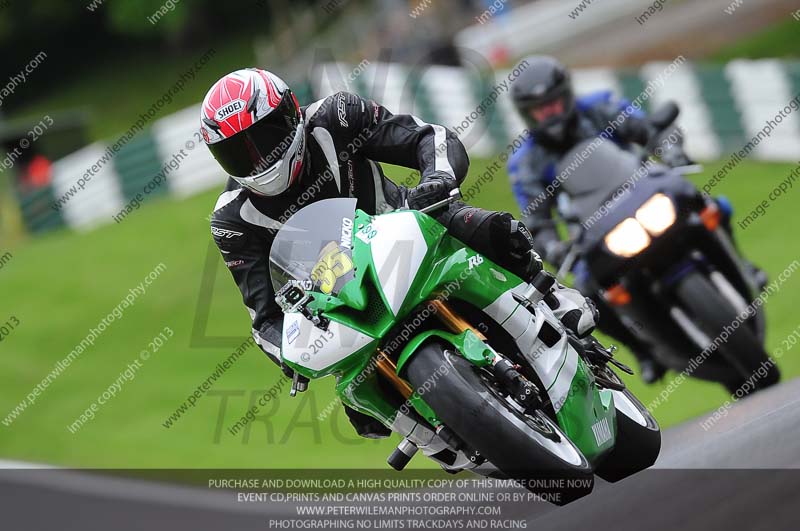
{"x": 388, "y": 369}
{"x": 452, "y": 320}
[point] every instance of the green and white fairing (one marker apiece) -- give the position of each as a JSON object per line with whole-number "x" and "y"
{"x": 365, "y": 274}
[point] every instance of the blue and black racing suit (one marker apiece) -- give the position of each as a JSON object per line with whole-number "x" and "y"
{"x": 532, "y": 169}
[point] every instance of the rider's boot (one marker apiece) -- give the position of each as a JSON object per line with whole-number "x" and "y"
{"x": 650, "y": 370}
{"x": 758, "y": 275}
{"x": 610, "y": 324}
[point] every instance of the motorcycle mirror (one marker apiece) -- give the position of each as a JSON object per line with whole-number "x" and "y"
{"x": 569, "y": 261}
{"x": 663, "y": 116}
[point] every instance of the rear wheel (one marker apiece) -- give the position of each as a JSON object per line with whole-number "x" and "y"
{"x": 526, "y": 447}
{"x": 750, "y": 365}
{"x": 638, "y": 440}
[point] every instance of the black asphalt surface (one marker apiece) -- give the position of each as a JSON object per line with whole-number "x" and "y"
{"x": 742, "y": 472}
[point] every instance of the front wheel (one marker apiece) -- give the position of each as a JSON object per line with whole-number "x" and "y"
{"x": 530, "y": 448}
{"x": 714, "y": 315}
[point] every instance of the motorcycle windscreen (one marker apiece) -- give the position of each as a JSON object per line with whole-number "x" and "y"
{"x": 315, "y": 247}
{"x": 593, "y": 171}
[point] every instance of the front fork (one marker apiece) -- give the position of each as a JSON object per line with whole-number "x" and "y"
{"x": 525, "y": 392}
{"x": 451, "y": 321}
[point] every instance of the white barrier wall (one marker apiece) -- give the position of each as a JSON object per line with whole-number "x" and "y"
{"x": 450, "y": 96}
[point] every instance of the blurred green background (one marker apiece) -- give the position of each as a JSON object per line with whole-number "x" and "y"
{"x": 71, "y": 281}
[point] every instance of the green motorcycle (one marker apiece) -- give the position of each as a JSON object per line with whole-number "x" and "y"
{"x": 456, "y": 354}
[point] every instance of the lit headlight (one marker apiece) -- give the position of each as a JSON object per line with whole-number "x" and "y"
{"x": 627, "y": 239}
{"x": 657, "y": 214}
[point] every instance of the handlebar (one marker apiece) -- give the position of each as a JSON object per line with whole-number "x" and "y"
{"x": 689, "y": 169}
{"x": 569, "y": 261}
{"x": 455, "y": 195}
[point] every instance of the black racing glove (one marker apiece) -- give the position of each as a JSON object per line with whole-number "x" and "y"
{"x": 512, "y": 240}
{"x": 435, "y": 188}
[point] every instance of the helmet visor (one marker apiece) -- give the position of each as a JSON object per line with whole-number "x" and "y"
{"x": 543, "y": 112}
{"x": 262, "y": 145}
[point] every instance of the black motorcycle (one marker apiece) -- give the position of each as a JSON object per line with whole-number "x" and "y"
{"x": 659, "y": 254}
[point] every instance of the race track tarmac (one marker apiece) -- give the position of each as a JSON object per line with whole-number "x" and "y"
{"x": 741, "y": 473}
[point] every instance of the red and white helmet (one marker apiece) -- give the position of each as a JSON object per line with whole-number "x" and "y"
{"x": 252, "y": 124}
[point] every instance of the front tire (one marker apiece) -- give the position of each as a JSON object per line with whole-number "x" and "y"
{"x": 528, "y": 448}
{"x": 743, "y": 351}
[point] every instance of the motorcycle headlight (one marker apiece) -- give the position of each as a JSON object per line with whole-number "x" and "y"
{"x": 627, "y": 239}
{"x": 657, "y": 214}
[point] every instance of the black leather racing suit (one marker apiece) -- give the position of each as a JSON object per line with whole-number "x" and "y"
{"x": 345, "y": 135}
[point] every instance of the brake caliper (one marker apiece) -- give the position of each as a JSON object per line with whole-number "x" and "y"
{"x": 525, "y": 392}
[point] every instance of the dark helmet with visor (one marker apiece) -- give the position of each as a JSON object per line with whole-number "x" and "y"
{"x": 544, "y": 98}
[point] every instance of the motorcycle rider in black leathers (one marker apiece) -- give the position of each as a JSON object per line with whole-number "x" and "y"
{"x": 281, "y": 157}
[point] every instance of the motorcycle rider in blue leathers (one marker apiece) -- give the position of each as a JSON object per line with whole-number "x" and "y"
{"x": 544, "y": 97}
